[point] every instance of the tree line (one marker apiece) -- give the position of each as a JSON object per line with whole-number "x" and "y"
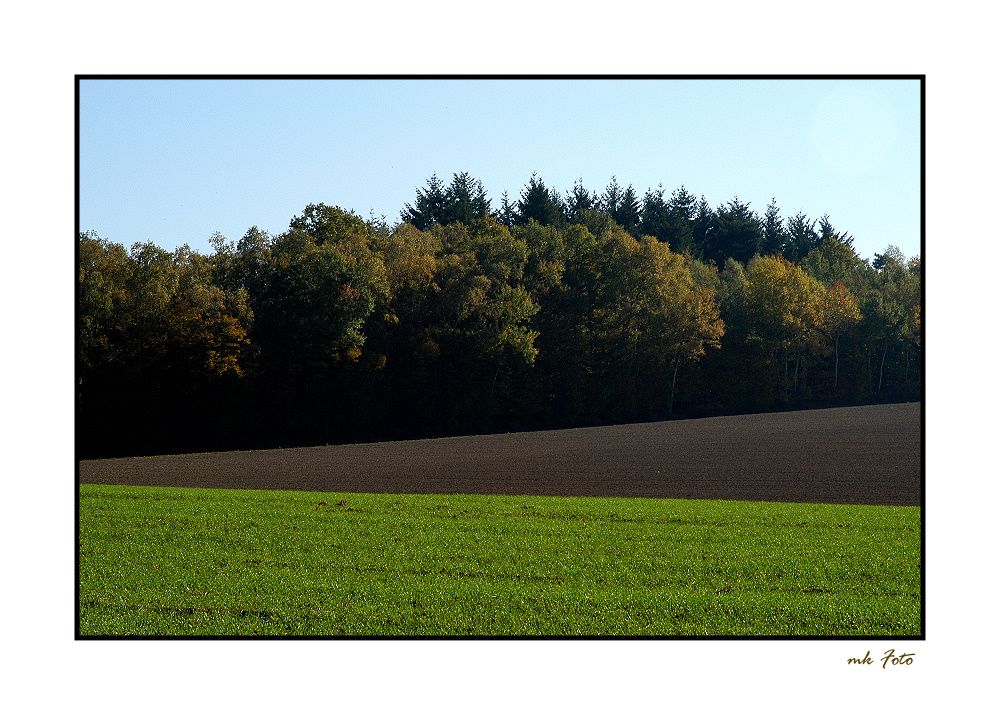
{"x": 549, "y": 312}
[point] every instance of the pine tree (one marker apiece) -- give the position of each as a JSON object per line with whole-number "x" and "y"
{"x": 579, "y": 200}
{"x": 683, "y": 209}
{"x": 655, "y": 216}
{"x": 539, "y": 203}
{"x": 826, "y": 230}
{"x": 702, "y": 227}
{"x": 506, "y": 215}
{"x": 611, "y": 199}
{"x": 683, "y": 204}
{"x": 800, "y": 237}
{"x": 629, "y": 211}
{"x": 465, "y": 200}
{"x": 431, "y": 205}
{"x": 774, "y": 230}
{"x": 738, "y": 235}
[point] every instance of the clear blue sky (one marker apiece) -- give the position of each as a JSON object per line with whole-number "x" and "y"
{"x": 173, "y": 161}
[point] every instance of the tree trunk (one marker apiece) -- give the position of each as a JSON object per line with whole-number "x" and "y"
{"x": 836, "y": 363}
{"x": 673, "y": 384}
{"x": 882, "y": 366}
{"x": 489, "y": 403}
{"x": 870, "y": 376}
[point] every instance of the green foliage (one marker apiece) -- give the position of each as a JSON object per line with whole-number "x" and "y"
{"x": 670, "y": 220}
{"x": 165, "y": 561}
{"x": 655, "y": 219}
{"x": 622, "y": 206}
{"x": 546, "y": 314}
{"x": 579, "y": 200}
{"x": 628, "y": 214}
{"x": 539, "y": 204}
{"x": 157, "y": 336}
{"x": 330, "y": 224}
{"x": 506, "y": 214}
{"x": 463, "y": 201}
{"x": 150, "y": 306}
{"x": 408, "y": 255}
{"x": 842, "y": 315}
{"x": 891, "y": 324}
{"x": 596, "y": 222}
{"x": 702, "y": 228}
{"x": 101, "y": 294}
{"x": 773, "y": 234}
{"x": 430, "y": 208}
{"x": 800, "y": 237}
{"x": 737, "y": 233}
{"x": 826, "y": 231}
{"x": 318, "y": 300}
{"x": 610, "y": 201}
{"x": 832, "y": 261}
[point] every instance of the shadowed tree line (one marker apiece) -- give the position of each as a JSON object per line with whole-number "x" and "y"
{"x": 549, "y": 312}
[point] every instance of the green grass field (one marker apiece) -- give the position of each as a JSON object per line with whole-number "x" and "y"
{"x": 200, "y": 562}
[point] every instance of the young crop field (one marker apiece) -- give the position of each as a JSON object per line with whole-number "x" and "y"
{"x": 172, "y": 559}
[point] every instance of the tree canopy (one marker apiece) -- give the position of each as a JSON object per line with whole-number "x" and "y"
{"x": 548, "y": 312}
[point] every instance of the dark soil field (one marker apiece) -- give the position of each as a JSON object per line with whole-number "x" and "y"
{"x": 851, "y": 455}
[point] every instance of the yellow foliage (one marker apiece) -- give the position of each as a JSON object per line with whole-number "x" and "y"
{"x": 786, "y": 306}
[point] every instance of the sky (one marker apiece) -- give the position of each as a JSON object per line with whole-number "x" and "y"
{"x": 173, "y": 161}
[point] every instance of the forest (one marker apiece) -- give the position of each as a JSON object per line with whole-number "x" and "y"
{"x": 550, "y": 311}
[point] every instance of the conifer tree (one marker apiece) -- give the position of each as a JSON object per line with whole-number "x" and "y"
{"x": 506, "y": 215}
{"x": 702, "y": 227}
{"x": 826, "y": 230}
{"x": 579, "y": 200}
{"x": 655, "y": 216}
{"x": 465, "y": 200}
{"x": 800, "y": 237}
{"x": 430, "y": 206}
{"x": 629, "y": 211}
{"x": 682, "y": 209}
{"x": 611, "y": 199}
{"x": 738, "y": 233}
{"x": 773, "y": 230}
{"x": 539, "y": 203}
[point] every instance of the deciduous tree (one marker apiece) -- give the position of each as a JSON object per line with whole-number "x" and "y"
{"x": 841, "y": 314}
{"x": 785, "y": 309}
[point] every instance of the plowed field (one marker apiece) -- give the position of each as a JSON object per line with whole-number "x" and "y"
{"x": 851, "y": 455}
